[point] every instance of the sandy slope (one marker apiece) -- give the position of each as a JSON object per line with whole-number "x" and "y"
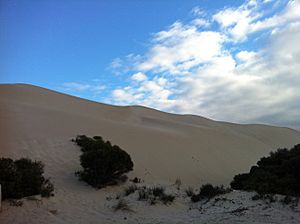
{"x": 39, "y": 123}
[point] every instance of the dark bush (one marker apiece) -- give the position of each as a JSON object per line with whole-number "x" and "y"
{"x": 103, "y": 164}
{"x": 209, "y": 191}
{"x": 196, "y": 197}
{"x": 8, "y": 178}
{"x": 278, "y": 173}
{"x": 22, "y": 178}
{"x": 31, "y": 178}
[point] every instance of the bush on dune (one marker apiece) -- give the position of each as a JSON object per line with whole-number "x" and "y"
{"x": 278, "y": 173}
{"x": 103, "y": 163}
{"x": 23, "y": 177}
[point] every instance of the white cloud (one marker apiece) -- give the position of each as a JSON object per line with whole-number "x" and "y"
{"x": 290, "y": 14}
{"x": 200, "y": 22}
{"x": 218, "y": 74}
{"x": 246, "y": 56}
{"x": 247, "y": 19}
{"x": 180, "y": 48}
{"x": 139, "y": 76}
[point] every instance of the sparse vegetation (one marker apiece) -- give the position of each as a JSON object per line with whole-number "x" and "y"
{"x": 189, "y": 191}
{"x": 130, "y": 189}
{"x": 22, "y": 178}
{"x": 143, "y": 194}
{"x": 154, "y": 195}
{"x": 157, "y": 191}
{"x": 167, "y": 198}
{"x": 208, "y": 191}
{"x": 103, "y": 163}
{"x": 278, "y": 173}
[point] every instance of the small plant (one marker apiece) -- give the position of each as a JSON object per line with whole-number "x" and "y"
{"x": 143, "y": 194}
{"x": 178, "y": 183}
{"x": 157, "y": 191}
{"x": 130, "y": 189}
{"x": 152, "y": 200}
{"x": 167, "y": 198}
{"x": 189, "y": 191}
{"x": 47, "y": 189}
{"x": 122, "y": 205}
{"x": 136, "y": 180}
{"x": 196, "y": 198}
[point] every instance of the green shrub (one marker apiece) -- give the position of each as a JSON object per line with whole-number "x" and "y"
{"x": 103, "y": 164}
{"x": 22, "y": 178}
{"x": 278, "y": 173}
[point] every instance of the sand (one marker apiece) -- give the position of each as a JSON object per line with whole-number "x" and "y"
{"x": 39, "y": 123}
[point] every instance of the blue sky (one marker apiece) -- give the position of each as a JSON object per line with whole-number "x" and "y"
{"x": 227, "y": 60}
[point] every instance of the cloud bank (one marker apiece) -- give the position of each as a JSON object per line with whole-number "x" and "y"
{"x": 238, "y": 64}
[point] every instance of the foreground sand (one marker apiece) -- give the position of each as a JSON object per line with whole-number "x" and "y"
{"x": 39, "y": 123}
{"x": 67, "y": 207}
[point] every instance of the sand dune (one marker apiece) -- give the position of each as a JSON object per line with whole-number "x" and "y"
{"x": 39, "y": 123}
